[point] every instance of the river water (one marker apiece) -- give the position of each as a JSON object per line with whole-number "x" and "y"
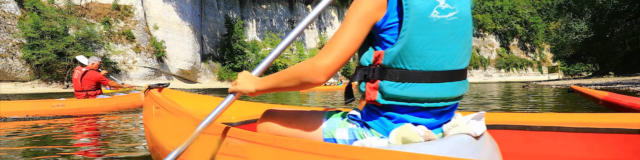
{"x": 121, "y": 134}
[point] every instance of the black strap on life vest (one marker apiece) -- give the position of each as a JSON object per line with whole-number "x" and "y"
{"x": 377, "y": 72}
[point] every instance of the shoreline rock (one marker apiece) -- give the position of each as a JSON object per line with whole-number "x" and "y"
{"x": 629, "y": 84}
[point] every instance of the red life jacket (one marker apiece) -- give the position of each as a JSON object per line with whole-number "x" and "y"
{"x": 79, "y": 91}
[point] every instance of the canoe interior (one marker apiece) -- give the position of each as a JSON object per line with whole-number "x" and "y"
{"x": 544, "y": 142}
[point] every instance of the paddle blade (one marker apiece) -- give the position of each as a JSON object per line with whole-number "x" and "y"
{"x": 181, "y": 78}
{"x": 82, "y": 59}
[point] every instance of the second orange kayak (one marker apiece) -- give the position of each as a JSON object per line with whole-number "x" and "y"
{"x": 614, "y": 101}
{"x": 61, "y": 107}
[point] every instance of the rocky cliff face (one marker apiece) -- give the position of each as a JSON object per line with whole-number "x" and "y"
{"x": 488, "y": 46}
{"x": 193, "y": 28}
{"x": 12, "y": 66}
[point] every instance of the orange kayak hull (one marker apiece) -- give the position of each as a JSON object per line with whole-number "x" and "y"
{"x": 614, "y": 101}
{"x": 171, "y": 116}
{"x": 61, "y": 107}
{"x": 161, "y": 115}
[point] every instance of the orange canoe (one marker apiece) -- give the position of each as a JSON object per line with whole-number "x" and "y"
{"x": 170, "y": 116}
{"x": 63, "y": 107}
{"x": 325, "y": 88}
{"x": 614, "y": 101}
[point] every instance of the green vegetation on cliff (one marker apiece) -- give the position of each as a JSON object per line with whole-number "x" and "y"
{"x": 585, "y": 36}
{"x": 478, "y": 61}
{"x": 236, "y": 54}
{"x": 54, "y": 36}
{"x": 511, "y": 62}
{"x": 57, "y": 32}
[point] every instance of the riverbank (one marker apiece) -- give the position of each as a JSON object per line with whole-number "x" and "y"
{"x": 626, "y": 83}
{"x": 38, "y": 86}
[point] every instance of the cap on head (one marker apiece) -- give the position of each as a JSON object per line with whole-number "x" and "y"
{"x": 94, "y": 59}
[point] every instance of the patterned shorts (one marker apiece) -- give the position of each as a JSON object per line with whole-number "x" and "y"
{"x": 345, "y": 127}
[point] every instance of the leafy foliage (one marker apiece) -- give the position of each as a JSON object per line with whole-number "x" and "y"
{"x": 591, "y": 36}
{"x": 349, "y": 68}
{"x": 477, "y": 61}
{"x": 226, "y": 74}
{"x": 526, "y": 20}
{"x": 577, "y": 69}
{"x": 233, "y": 49}
{"x": 129, "y": 35}
{"x": 510, "y": 62}
{"x": 601, "y": 36}
{"x": 51, "y": 46}
{"x": 236, "y": 54}
{"x": 159, "y": 49}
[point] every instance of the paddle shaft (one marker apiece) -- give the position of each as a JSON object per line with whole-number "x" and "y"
{"x": 113, "y": 78}
{"x": 256, "y": 72}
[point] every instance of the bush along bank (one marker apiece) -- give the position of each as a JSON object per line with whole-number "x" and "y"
{"x": 56, "y": 33}
{"x": 237, "y": 54}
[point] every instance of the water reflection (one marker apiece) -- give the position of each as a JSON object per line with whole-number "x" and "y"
{"x": 121, "y": 135}
{"x": 519, "y": 97}
{"x": 115, "y": 135}
{"x": 497, "y": 97}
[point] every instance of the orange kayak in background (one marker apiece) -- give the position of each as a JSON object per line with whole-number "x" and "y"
{"x": 170, "y": 117}
{"x": 325, "y": 88}
{"x": 614, "y": 101}
{"x": 62, "y": 107}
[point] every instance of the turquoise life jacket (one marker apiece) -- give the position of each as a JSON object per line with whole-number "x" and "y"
{"x": 427, "y": 65}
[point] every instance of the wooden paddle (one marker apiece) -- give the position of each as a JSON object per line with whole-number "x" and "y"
{"x": 256, "y": 72}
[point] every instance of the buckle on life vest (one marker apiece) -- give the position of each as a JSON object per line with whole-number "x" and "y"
{"x": 372, "y": 73}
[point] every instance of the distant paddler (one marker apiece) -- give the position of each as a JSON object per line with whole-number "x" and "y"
{"x": 88, "y": 80}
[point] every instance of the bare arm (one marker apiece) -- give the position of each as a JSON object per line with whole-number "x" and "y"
{"x": 359, "y": 20}
{"x": 115, "y": 84}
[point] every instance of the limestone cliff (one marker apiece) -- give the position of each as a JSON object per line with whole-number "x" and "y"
{"x": 12, "y": 66}
{"x": 192, "y": 29}
{"x": 488, "y": 46}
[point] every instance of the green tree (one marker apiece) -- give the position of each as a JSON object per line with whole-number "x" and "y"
{"x": 591, "y": 36}
{"x": 599, "y": 35}
{"x": 477, "y": 61}
{"x": 51, "y": 46}
{"x": 159, "y": 49}
{"x": 234, "y": 50}
{"x": 349, "y": 68}
{"x": 526, "y": 20}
